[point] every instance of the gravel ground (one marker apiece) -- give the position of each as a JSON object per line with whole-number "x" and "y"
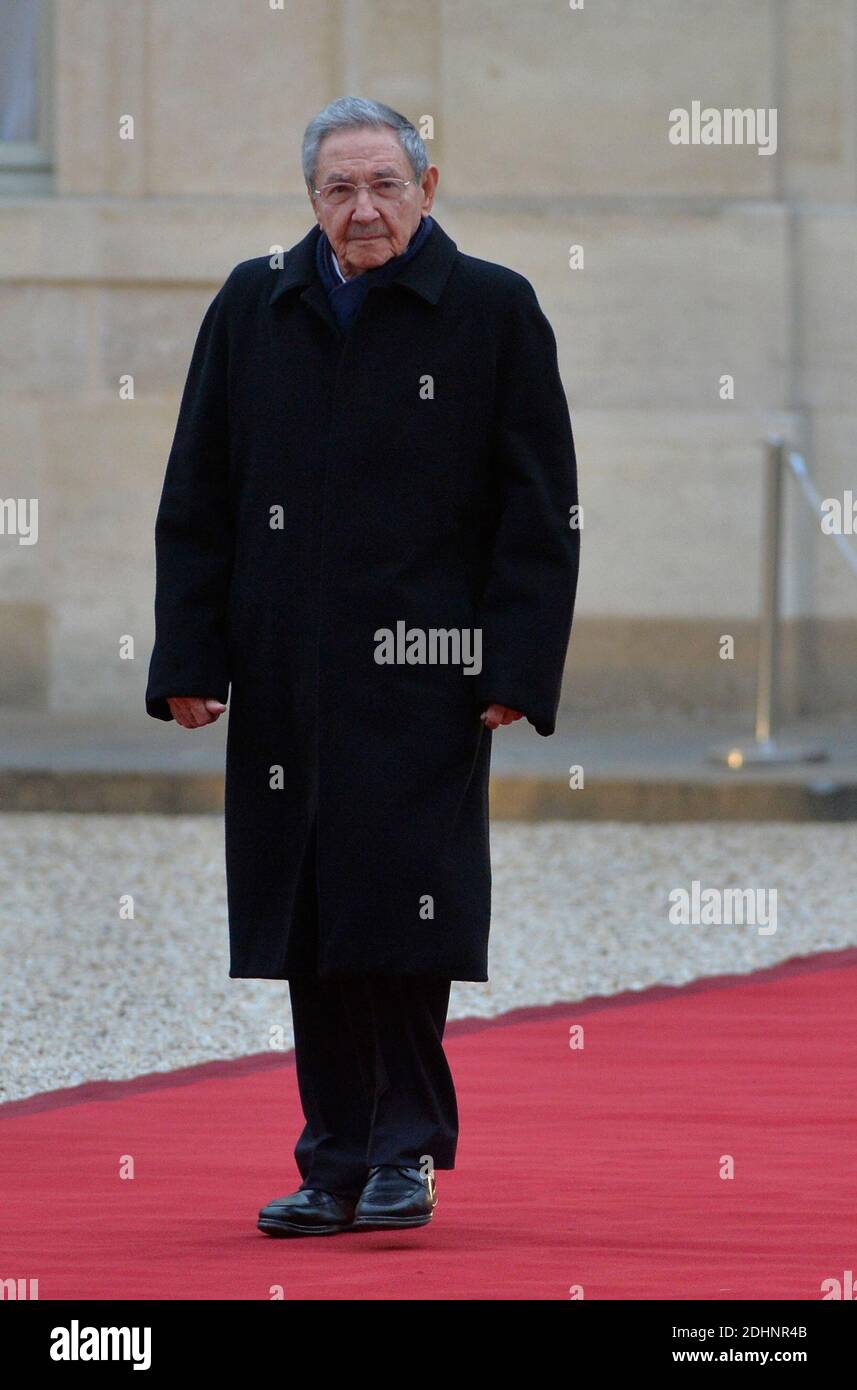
{"x": 579, "y": 909}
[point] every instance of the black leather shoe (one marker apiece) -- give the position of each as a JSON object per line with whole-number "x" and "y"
{"x": 308, "y": 1212}
{"x": 395, "y": 1197}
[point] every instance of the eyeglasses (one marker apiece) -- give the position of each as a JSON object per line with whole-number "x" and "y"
{"x": 390, "y": 190}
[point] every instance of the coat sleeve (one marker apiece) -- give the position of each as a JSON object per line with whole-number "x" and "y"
{"x": 528, "y": 602}
{"x": 194, "y": 534}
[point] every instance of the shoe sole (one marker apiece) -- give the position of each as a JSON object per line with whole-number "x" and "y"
{"x": 389, "y": 1223}
{"x": 282, "y": 1228}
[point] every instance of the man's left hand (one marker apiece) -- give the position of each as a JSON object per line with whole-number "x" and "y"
{"x": 495, "y": 715}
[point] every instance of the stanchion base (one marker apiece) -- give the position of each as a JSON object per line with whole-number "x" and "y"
{"x": 765, "y": 752}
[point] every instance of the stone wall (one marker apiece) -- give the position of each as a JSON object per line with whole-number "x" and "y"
{"x": 550, "y": 130}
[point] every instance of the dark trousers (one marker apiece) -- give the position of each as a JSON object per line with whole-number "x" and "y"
{"x": 374, "y": 1082}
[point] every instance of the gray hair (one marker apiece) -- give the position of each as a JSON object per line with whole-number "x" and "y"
{"x": 354, "y": 112}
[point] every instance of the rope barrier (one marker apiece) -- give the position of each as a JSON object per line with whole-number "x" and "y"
{"x": 767, "y": 748}
{"x": 797, "y": 463}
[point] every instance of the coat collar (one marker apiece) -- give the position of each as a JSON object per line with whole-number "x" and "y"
{"x": 426, "y": 273}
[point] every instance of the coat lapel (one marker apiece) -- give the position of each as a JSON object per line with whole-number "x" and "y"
{"x": 426, "y": 273}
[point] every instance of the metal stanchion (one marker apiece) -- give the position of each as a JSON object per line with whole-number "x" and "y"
{"x": 766, "y": 748}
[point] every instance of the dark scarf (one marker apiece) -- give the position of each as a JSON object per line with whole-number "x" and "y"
{"x": 346, "y": 296}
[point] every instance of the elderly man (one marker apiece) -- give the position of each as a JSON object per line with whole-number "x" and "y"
{"x": 368, "y": 530}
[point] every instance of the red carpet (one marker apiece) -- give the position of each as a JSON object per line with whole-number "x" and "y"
{"x": 597, "y": 1167}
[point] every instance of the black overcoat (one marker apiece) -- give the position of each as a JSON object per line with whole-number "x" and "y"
{"x": 414, "y": 474}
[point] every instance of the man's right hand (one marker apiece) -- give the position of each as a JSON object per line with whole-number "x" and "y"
{"x": 192, "y": 712}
